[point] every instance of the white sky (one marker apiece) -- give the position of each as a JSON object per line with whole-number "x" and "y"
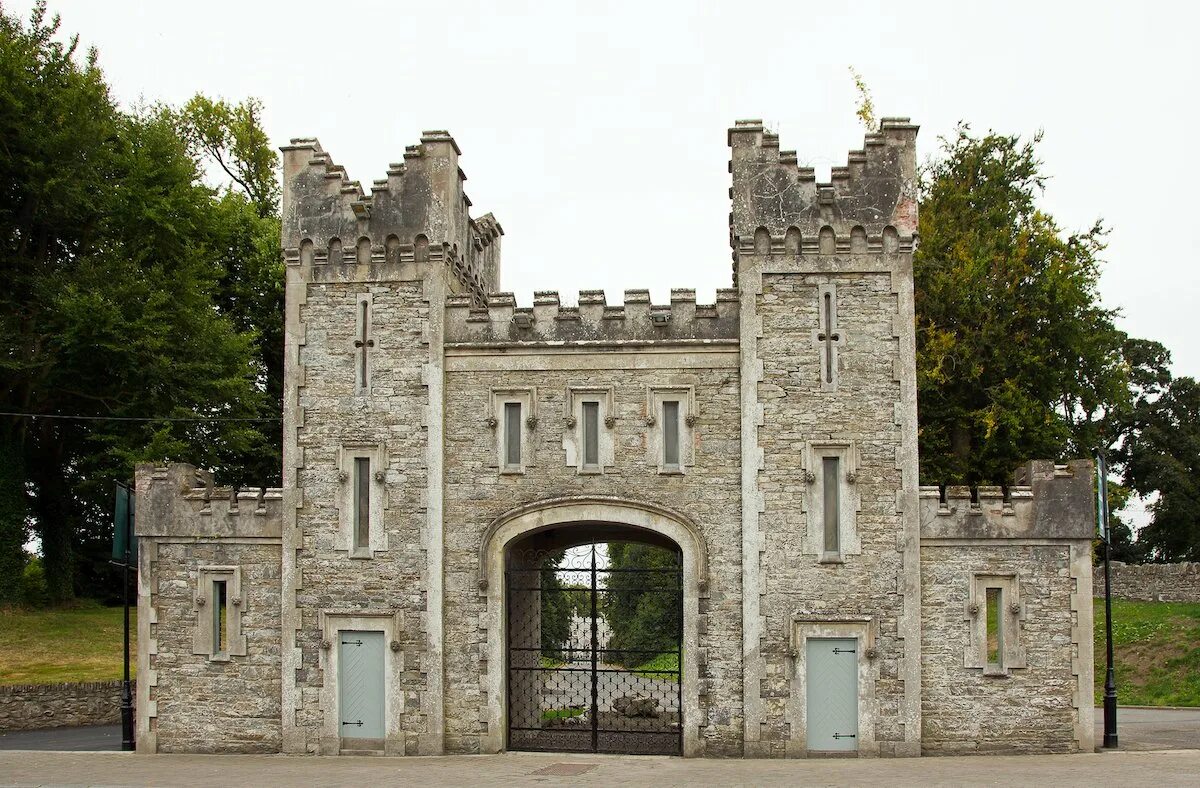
{"x": 596, "y": 132}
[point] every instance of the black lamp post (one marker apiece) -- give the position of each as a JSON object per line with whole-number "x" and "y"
{"x": 124, "y": 553}
{"x": 1110, "y": 678}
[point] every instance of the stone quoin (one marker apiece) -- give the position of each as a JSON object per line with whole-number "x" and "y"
{"x": 431, "y": 426}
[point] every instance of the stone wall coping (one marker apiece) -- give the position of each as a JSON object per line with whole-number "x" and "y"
{"x": 19, "y": 689}
{"x": 1047, "y": 501}
{"x": 548, "y": 321}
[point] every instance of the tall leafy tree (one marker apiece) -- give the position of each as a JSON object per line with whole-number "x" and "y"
{"x": 1161, "y": 455}
{"x": 1016, "y": 358}
{"x": 116, "y": 298}
{"x": 246, "y": 233}
{"x": 641, "y": 602}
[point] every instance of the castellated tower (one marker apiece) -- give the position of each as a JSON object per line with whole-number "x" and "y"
{"x": 367, "y": 280}
{"x": 679, "y": 528}
{"x": 828, "y": 390}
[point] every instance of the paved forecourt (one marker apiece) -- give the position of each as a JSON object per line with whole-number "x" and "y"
{"x": 1178, "y": 767}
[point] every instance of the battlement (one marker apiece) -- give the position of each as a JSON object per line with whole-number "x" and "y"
{"x": 593, "y": 321}
{"x": 869, "y": 206}
{"x": 178, "y": 500}
{"x": 1046, "y": 501}
{"x": 419, "y": 207}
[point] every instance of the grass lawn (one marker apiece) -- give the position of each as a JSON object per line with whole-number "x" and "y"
{"x": 668, "y": 660}
{"x": 1156, "y": 653}
{"x": 80, "y": 643}
{"x": 562, "y": 714}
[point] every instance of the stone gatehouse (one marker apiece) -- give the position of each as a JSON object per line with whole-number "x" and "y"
{"x": 452, "y": 462}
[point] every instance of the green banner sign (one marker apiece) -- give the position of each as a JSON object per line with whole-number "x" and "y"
{"x": 124, "y": 538}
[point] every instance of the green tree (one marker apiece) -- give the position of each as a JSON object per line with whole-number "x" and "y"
{"x": 1161, "y": 455}
{"x": 246, "y": 233}
{"x": 560, "y": 603}
{"x": 114, "y": 299}
{"x": 641, "y": 607}
{"x": 1016, "y": 358}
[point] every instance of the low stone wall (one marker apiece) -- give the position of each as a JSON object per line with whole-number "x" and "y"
{"x": 1150, "y": 582}
{"x": 29, "y": 706}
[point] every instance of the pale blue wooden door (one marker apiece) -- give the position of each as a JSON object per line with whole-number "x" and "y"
{"x": 832, "y": 686}
{"x": 360, "y": 684}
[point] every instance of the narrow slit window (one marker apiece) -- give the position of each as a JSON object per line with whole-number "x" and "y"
{"x": 361, "y": 343}
{"x": 512, "y": 434}
{"x": 994, "y": 599}
{"x": 220, "y": 614}
{"x": 591, "y": 434}
{"x": 830, "y": 472}
{"x": 670, "y": 434}
{"x": 362, "y": 503}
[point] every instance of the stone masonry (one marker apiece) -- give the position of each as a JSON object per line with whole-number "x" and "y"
{"x": 1151, "y": 582}
{"x": 797, "y": 390}
{"x": 34, "y": 706}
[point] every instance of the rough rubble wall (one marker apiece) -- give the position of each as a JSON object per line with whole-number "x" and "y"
{"x": 1027, "y": 710}
{"x": 391, "y": 415}
{"x": 26, "y": 707}
{"x": 476, "y": 493}
{"x": 1151, "y": 582}
{"x": 205, "y": 705}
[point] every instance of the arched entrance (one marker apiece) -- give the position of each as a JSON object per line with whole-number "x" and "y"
{"x": 592, "y": 627}
{"x": 594, "y": 622}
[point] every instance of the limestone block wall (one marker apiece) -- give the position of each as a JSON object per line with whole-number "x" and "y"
{"x": 476, "y": 493}
{"x": 1039, "y": 534}
{"x": 189, "y": 700}
{"x": 26, "y": 707}
{"x": 824, "y": 273}
{"x": 216, "y": 706}
{"x": 389, "y": 421}
{"x": 367, "y": 279}
{"x": 1150, "y": 582}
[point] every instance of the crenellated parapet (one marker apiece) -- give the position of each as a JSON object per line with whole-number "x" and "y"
{"x": 869, "y": 205}
{"x": 1045, "y": 501}
{"x": 418, "y": 214}
{"x": 592, "y": 320}
{"x": 178, "y": 500}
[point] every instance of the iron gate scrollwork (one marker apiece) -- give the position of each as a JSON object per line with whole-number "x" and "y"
{"x": 595, "y": 649}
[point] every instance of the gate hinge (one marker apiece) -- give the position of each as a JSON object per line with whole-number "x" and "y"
{"x": 845, "y": 736}
{"x": 360, "y": 722}
{"x": 844, "y": 651}
{"x": 352, "y": 642}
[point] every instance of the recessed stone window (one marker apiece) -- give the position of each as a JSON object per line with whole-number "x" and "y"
{"x": 670, "y": 422}
{"x": 362, "y": 474}
{"x": 994, "y": 614}
{"x": 512, "y": 414}
{"x": 218, "y": 601}
{"x": 589, "y": 418}
{"x": 832, "y": 502}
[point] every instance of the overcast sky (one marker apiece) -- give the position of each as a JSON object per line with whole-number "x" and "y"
{"x": 596, "y": 131}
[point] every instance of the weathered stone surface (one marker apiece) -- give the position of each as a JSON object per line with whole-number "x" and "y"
{"x": 400, "y": 351}
{"x": 32, "y": 706}
{"x": 1150, "y": 582}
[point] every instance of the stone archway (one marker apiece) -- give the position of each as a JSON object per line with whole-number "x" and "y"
{"x": 589, "y": 518}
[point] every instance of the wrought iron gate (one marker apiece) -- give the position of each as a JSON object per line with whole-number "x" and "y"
{"x": 595, "y": 649}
